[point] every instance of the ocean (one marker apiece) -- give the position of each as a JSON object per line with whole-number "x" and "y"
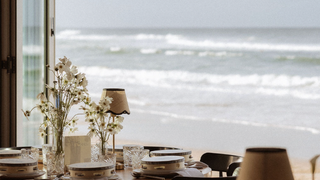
{"x": 215, "y": 89}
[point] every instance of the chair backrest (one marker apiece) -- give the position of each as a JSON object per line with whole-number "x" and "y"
{"x": 219, "y": 162}
{"x": 206, "y": 178}
{"x": 233, "y": 169}
{"x": 155, "y": 148}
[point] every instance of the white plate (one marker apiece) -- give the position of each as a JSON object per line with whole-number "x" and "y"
{"x": 24, "y": 176}
{"x": 114, "y": 177}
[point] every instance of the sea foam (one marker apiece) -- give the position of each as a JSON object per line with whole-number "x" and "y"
{"x": 76, "y": 35}
{"x": 267, "y": 84}
{"x": 244, "y": 46}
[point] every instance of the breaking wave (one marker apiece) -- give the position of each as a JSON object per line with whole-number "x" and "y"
{"x": 268, "y": 84}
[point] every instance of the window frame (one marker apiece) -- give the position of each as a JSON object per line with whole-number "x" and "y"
{"x": 49, "y": 54}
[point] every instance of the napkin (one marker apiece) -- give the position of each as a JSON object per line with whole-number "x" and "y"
{"x": 197, "y": 164}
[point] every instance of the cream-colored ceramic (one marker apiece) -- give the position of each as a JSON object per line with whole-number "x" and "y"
{"x": 91, "y": 170}
{"x": 173, "y": 152}
{"x": 6, "y": 154}
{"x": 18, "y": 166}
{"x": 163, "y": 163}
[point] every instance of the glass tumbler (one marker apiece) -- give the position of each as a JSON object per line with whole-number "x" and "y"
{"x": 127, "y": 154}
{"x": 137, "y": 155}
{"x": 45, "y": 149}
{"x": 30, "y": 154}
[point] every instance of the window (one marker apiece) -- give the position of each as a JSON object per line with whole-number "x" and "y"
{"x": 33, "y": 66}
{"x": 209, "y": 75}
{"x": 35, "y": 49}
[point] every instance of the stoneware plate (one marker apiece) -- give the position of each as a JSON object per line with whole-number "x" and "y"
{"x": 24, "y": 176}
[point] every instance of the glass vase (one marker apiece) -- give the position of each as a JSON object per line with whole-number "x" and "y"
{"x": 98, "y": 149}
{"x": 108, "y": 158}
{"x": 94, "y": 153}
{"x": 55, "y": 157}
{"x": 55, "y": 163}
{"x": 99, "y": 153}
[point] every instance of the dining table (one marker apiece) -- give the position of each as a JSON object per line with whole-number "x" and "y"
{"x": 121, "y": 174}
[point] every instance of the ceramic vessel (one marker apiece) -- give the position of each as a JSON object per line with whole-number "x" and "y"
{"x": 18, "y": 166}
{"x": 91, "y": 170}
{"x": 184, "y": 153}
{"x": 160, "y": 163}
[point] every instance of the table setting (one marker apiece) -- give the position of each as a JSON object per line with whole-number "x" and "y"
{"x": 136, "y": 162}
{"x": 20, "y": 164}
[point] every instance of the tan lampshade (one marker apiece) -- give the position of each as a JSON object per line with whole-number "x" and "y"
{"x": 119, "y": 104}
{"x": 265, "y": 164}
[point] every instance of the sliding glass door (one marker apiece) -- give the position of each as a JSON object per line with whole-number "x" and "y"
{"x": 33, "y": 50}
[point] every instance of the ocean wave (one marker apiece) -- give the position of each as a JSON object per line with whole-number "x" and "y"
{"x": 249, "y": 46}
{"x": 286, "y": 92}
{"x": 268, "y": 84}
{"x": 259, "y": 124}
{"x": 149, "y": 51}
{"x": 76, "y": 35}
{"x": 245, "y": 123}
{"x": 71, "y": 34}
{"x": 115, "y": 49}
{"x": 174, "y": 39}
{"x": 304, "y": 59}
{"x": 172, "y": 52}
{"x": 156, "y": 37}
{"x": 179, "y": 52}
{"x": 219, "y": 54}
{"x": 168, "y": 114}
{"x": 68, "y": 32}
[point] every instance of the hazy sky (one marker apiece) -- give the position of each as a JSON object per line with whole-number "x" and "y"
{"x": 187, "y": 13}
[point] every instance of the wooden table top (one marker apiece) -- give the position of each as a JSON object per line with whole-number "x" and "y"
{"x": 122, "y": 174}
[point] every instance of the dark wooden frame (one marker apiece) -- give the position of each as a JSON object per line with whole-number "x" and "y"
{"x": 8, "y": 89}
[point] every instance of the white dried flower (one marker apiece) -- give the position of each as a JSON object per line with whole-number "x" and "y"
{"x": 42, "y": 97}
{"x": 66, "y": 92}
{"x": 74, "y": 70}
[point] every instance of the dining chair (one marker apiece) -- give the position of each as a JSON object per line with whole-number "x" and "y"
{"x": 156, "y": 148}
{"x": 233, "y": 169}
{"x": 227, "y": 163}
{"x": 205, "y": 178}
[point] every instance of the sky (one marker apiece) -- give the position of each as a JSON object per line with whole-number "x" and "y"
{"x": 187, "y": 13}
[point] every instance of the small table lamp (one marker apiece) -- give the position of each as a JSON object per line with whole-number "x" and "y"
{"x": 265, "y": 164}
{"x": 118, "y": 106}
